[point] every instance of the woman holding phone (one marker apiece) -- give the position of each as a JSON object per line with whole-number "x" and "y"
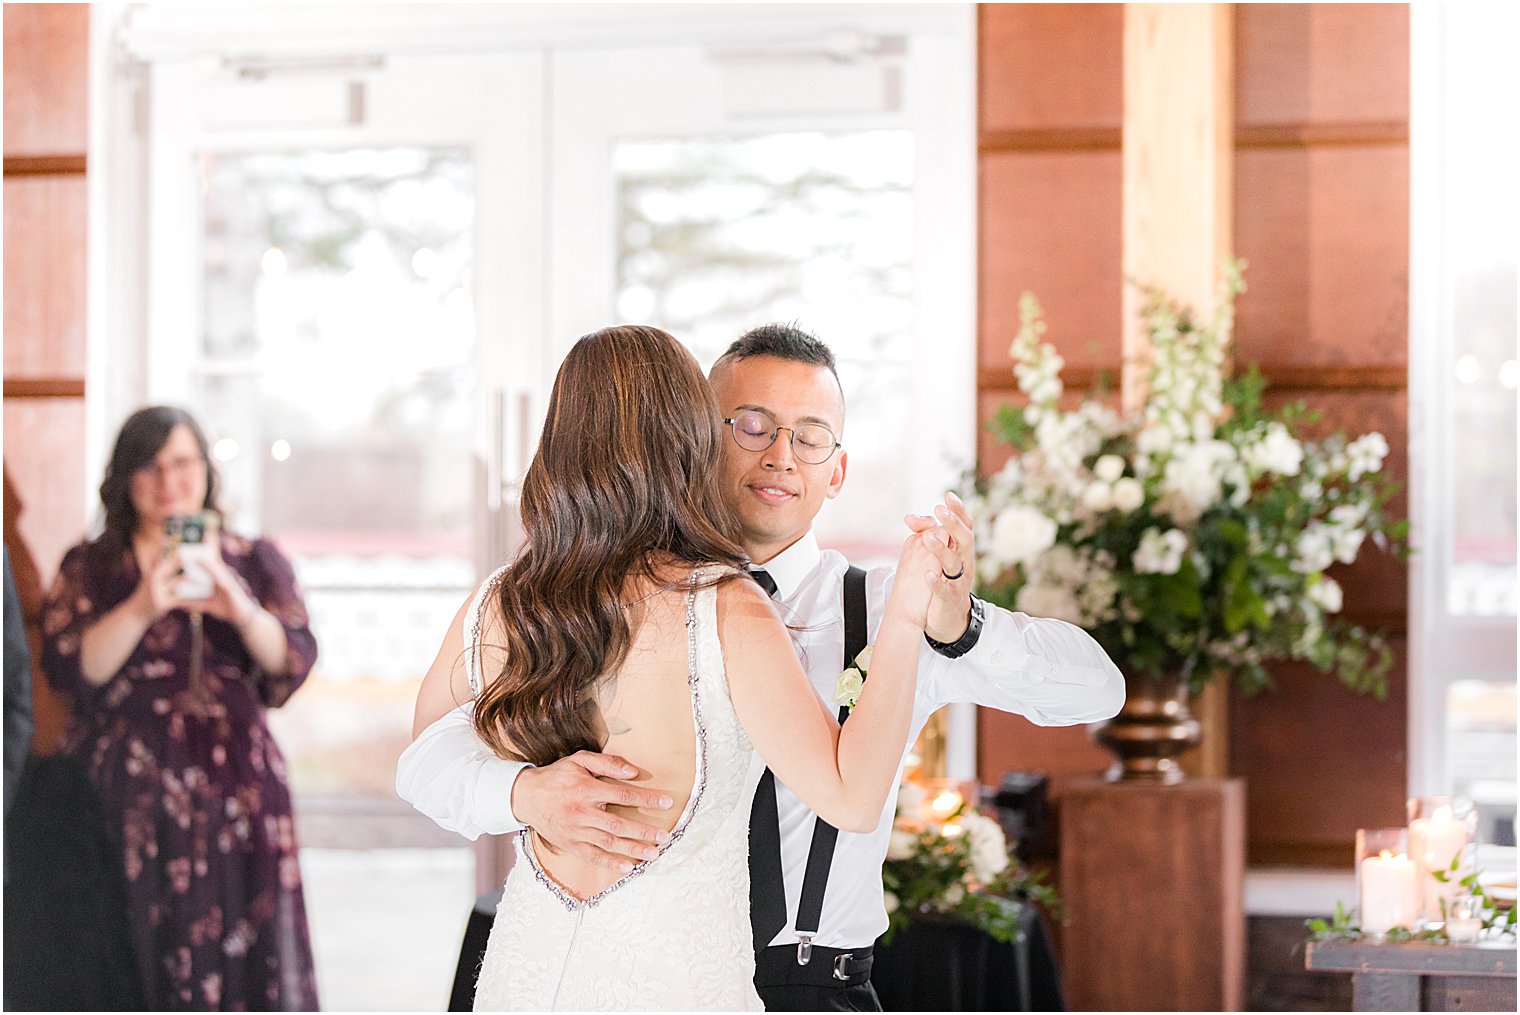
{"x": 169, "y": 697}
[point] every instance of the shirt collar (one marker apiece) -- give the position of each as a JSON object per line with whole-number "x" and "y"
{"x": 789, "y": 567}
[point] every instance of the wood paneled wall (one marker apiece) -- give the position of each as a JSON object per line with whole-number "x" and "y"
{"x": 46, "y": 138}
{"x": 1321, "y": 212}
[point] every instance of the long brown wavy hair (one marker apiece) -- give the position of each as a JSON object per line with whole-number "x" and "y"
{"x": 625, "y": 483}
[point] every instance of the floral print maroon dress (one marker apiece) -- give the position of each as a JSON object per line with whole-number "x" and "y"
{"x": 193, "y": 784}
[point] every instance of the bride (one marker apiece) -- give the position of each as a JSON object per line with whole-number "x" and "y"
{"x": 626, "y": 625}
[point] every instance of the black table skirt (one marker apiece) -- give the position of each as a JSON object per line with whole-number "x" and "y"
{"x": 944, "y": 965}
{"x": 934, "y": 965}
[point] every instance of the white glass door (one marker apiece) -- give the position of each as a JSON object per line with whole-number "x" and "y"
{"x": 345, "y": 290}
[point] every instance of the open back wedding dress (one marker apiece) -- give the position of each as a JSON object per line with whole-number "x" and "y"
{"x": 672, "y": 934}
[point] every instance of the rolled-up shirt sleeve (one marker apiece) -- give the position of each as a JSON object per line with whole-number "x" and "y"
{"x": 451, "y": 776}
{"x": 1051, "y": 672}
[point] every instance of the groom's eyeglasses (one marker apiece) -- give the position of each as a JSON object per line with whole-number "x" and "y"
{"x": 812, "y": 443}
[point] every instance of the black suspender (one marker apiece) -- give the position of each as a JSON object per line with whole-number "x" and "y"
{"x": 821, "y": 853}
{"x": 767, "y": 889}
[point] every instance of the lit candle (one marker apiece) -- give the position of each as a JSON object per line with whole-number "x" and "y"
{"x": 1464, "y": 920}
{"x": 1464, "y": 929}
{"x": 1388, "y": 893}
{"x": 1434, "y": 843}
{"x": 945, "y": 804}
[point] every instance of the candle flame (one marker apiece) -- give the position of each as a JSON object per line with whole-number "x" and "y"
{"x": 945, "y": 803}
{"x": 1386, "y": 855}
{"x": 951, "y": 830}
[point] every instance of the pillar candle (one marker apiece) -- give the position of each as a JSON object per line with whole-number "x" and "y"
{"x": 1434, "y": 842}
{"x": 1388, "y": 893}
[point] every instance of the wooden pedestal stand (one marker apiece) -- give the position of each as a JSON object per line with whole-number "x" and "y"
{"x": 1152, "y": 878}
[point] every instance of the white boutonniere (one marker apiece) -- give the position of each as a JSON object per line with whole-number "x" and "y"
{"x": 847, "y": 688}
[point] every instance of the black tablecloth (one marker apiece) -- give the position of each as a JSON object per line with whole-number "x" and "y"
{"x": 944, "y": 965}
{"x": 933, "y": 965}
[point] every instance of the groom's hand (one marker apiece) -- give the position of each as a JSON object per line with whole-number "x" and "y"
{"x": 566, "y": 803}
{"x": 948, "y": 536}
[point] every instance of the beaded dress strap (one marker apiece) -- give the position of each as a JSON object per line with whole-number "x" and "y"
{"x": 474, "y": 620}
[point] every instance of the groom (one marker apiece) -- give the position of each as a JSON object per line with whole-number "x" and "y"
{"x": 816, "y": 897}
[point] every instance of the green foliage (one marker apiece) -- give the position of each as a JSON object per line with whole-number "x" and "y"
{"x": 1338, "y": 928}
{"x": 1010, "y": 426}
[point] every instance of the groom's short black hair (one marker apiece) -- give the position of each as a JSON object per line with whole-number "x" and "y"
{"x": 783, "y": 341}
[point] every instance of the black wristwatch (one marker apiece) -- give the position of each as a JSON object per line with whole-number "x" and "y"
{"x": 966, "y": 642}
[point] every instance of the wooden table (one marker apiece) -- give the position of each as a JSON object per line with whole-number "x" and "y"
{"x": 1420, "y": 975}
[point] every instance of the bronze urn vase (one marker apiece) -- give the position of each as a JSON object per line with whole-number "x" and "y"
{"x": 1150, "y": 732}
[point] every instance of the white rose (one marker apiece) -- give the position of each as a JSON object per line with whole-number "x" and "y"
{"x": 1098, "y": 497}
{"x": 901, "y": 845}
{"x": 1021, "y": 533}
{"x": 848, "y": 687}
{"x": 1128, "y": 494}
{"x": 1276, "y": 451}
{"x": 910, "y": 798}
{"x": 1326, "y": 594}
{"x": 1160, "y": 552}
{"x": 1109, "y": 468}
{"x": 890, "y": 902}
{"x": 953, "y": 896}
{"x": 989, "y": 847}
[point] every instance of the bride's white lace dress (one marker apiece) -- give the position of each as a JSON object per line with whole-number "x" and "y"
{"x": 674, "y": 933}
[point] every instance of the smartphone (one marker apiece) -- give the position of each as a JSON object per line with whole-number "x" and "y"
{"x": 192, "y": 539}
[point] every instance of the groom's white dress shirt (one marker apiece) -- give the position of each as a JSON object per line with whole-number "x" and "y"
{"x": 1049, "y": 671}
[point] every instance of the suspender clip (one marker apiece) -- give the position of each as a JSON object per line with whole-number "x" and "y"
{"x": 804, "y": 949}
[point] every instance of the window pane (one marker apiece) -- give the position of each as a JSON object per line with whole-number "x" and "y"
{"x": 1481, "y": 208}
{"x": 718, "y": 235}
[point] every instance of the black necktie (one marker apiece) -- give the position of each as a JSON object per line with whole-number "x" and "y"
{"x": 767, "y": 888}
{"x": 765, "y": 581}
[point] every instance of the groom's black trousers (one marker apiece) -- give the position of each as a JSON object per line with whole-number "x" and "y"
{"x": 807, "y": 998}
{"x": 786, "y": 986}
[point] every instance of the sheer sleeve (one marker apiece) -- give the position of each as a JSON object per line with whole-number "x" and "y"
{"x": 280, "y": 594}
{"x": 69, "y": 609}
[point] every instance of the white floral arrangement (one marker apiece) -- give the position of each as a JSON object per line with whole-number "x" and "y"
{"x": 947, "y": 860}
{"x": 1193, "y": 537}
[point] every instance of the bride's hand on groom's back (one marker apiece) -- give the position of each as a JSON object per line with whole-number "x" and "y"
{"x": 566, "y": 804}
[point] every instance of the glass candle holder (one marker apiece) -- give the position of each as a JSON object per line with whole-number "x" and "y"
{"x": 1385, "y": 881}
{"x": 1464, "y": 918}
{"x": 1442, "y": 833}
